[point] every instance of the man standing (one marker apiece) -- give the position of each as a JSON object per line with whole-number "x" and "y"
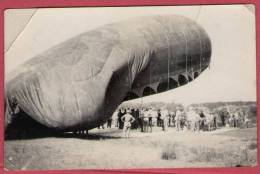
{"x": 141, "y": 119}
{"x": 203, "y": 119}
{"x": 246, "y": 119}
{"x": 236, "y": 119}
{"x": 150, "y": 119}
{"x": 109, "y": 122}
{"x": 172, "y": 114}
{"x": 165, "y": 119}
{"x": 120, "y": 114}
{"x": 222, "y": 117}
{"x": 135, "y": 114}
{"x": 115, "y": 119}
{"x": 178, "y": 116}
{"x": 210, "y": 121}
{"x": 127, "y": 119}
{"x": 194, "y": 118}
{"x": 146, "y": 120}
{"x": 159, "y": 118}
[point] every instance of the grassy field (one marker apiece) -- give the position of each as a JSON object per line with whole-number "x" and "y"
{"x": 108, "y": 149}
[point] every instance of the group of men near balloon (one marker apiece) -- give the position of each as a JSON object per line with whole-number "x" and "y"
{"x": 194, "y": 119}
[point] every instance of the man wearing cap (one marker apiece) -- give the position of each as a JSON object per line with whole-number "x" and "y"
{"x": 128, "y": 119}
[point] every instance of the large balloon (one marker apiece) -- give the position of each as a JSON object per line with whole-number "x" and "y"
{"x": 79, "y": 83}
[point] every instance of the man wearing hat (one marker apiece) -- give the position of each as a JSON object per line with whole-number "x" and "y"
{"x": 128, "y": 119}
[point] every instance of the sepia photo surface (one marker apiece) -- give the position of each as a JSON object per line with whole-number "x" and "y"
{"x": 130, "y": 87}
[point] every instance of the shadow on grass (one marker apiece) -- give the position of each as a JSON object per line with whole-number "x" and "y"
{"x": 25, "y": 127}
{"x": 54, "y": 134}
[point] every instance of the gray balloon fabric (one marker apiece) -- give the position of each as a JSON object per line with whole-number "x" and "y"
{"x": 79, "y": 83}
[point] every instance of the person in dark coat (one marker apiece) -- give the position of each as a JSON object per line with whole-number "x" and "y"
{"x": 135, "y": 124}
{"x": 159, "y": 120}
{"x": 141, "y": 119}
{"x": 109, "y": 123}
{"x": 222, "y": 117}
{"x": 120, "y": 115}
{"x": 202, "y": 120}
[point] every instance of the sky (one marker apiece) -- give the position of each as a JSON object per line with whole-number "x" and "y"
{"x": 231, "y": 28}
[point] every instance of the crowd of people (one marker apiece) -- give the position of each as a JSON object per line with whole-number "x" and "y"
{"x": 146, "y": 118}
{"x": 194, "y": 119}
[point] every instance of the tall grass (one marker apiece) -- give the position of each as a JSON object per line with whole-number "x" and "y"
{"x": 169, "y": 152}
{"x": 229, "y": 156}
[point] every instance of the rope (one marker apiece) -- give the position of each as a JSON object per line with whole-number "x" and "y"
{"x": 186, "y": 47}
{"x": 129, "y": 75}
{"x": 168, "y": 81}
{"x": 227, "y": 107}
{"x": 150, "y": 80}
{"x": 186, "y": 54}
{"x": 200, "y": 51}
{"x": 168, "y": 61}
{"x": 197, "y": 31}
{"x": 142, "y": 102}
{"x": 199, "y": 37}
{"x": 197, "y": 16}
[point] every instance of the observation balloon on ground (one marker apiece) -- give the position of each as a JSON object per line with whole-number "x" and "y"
{"x": 79, "y": 83}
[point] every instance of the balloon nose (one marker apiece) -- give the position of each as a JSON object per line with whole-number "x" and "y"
{"x": 206, "y": 57}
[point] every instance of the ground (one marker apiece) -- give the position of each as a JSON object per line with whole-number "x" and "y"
{"x": 108, "y": 149}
